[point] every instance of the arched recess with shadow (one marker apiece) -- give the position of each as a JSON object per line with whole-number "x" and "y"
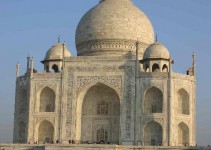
{"x": 155, "y": 68}
{"x": 183, "y": 104}
{"x": 23, "y": 101}
{"x": 47, "y": 100}
{"x": 100, "y": 114}
{"x": 46, "y": 132}
{"x": 153, "y": 134}
{"x": 183, "y": 134}
{"x": 153, "y": 102}
{"x": 165, "y": 68}
{"x": 21, "y": 132}
{"x": 55, "y": 68}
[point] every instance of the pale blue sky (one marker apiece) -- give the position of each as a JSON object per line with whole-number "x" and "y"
{"x": 32, "y": 26}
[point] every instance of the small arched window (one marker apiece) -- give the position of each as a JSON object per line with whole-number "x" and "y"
{"x": 102, "y": 108}
{"x": 55, "y": 68}
{"x": 155, "y": 68}
{"x": 165, "y": 68}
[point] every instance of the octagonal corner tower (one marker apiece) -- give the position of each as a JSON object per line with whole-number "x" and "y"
{"x": 112, "y": 28}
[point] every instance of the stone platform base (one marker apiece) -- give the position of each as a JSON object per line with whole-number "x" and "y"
{"x": 91, "y": 147}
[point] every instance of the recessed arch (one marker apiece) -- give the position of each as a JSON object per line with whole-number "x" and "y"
{"x": 155, "y": 68}
{"x": 183, "y": 104}
{"x": 55, "y": 68}
{"x": 21, "y": 132}
{"x": 153, "y": 101}
{"x": 46, "y": 132}
{"x": 165, "y": 68}
{"x": 183, "y": 134}
{"x": 99, "y": 101}
{"x": 153, "y": 134}
{"x": 47, "y": 100}
{"x": 23, "y": 101}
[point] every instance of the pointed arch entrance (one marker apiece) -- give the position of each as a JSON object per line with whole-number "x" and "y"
{"x": 153, "y": 134}
{"x": 183, "y": 102}
{"x": 46, "y": 132}
{"x": 183, "y": 134}
{"x": 100, "y": 114}
{"x": 153, "y": 102}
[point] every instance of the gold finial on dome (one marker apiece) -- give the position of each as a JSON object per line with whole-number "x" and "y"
{"x": 59, "y": 39}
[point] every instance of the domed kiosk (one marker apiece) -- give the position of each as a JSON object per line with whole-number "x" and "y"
{"x": 54, "y": 57}
{"x": 112, "y": 28}
{"x": 156, "y": 58}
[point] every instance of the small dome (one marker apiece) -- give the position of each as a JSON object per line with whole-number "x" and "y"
{"x": 109, "y": 26}
{"x": 157, "y": 50}
{"x": 56, "y": 52}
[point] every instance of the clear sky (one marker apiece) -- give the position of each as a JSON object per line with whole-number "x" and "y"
{"x": 32, "y": 26}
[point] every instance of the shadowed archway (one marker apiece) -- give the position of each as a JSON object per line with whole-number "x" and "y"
{"x": 100, "y": 114}
{"x": 153, "y": 134}
{"x": 183, "y": 134}
{"x": 46, "y": 132}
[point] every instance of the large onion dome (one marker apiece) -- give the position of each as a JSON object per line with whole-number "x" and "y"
{"x": 112, "y": 28}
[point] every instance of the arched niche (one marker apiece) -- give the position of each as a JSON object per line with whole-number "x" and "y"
{"x": 153, "y": 134}
{"x": 153, "y": 101}
{"x": 55, "y": 68}
{"x": 47, "y": 100}
{"x": 23, "y": 101}
{"x": 165, "y": 68}
{"x": 45, "y": 132}
{"x": 183, "y": 134}
{"x": 21, "y": 132}
{"x": 100, "y": 110}
{"x": 155, "y": 68}
{"x": 183, "y": 106}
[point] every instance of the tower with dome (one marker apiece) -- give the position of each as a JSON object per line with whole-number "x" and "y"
{"x": 119, "y": 89}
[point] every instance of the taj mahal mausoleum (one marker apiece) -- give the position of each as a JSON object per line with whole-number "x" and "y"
{"x": 119, "y": 92}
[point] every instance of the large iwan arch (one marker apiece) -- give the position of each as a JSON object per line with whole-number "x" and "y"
{"x": 153, "y": 102}
{"x": 100, "y": 114}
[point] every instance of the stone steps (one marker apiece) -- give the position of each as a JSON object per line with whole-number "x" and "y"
{"x": 91, "y": 147}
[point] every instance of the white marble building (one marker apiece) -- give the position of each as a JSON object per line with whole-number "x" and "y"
{"x": 120, "y": 88}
